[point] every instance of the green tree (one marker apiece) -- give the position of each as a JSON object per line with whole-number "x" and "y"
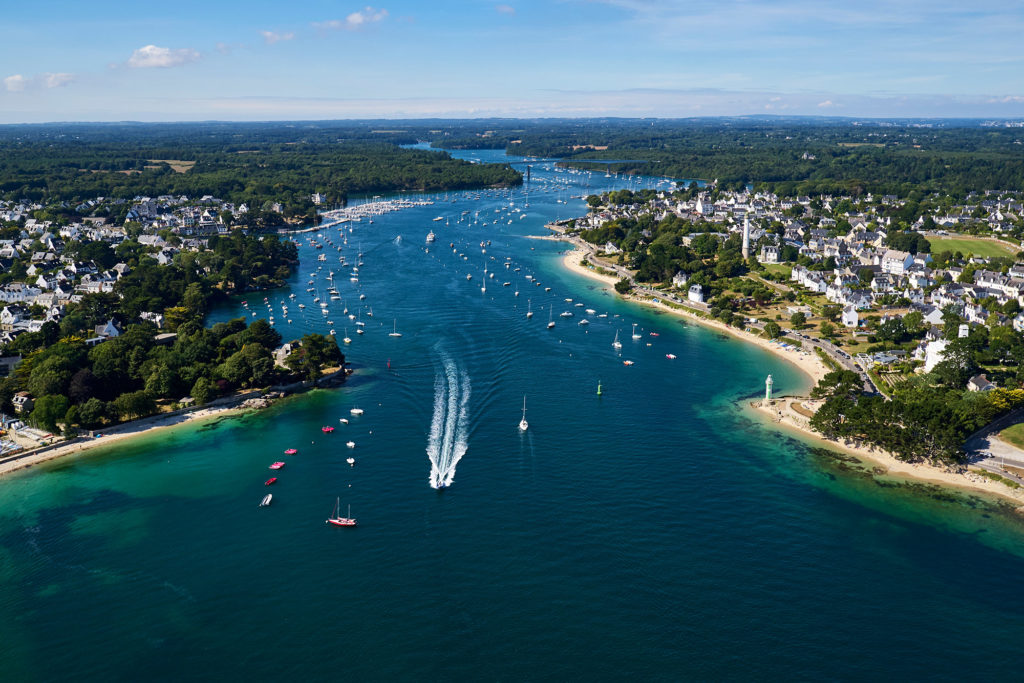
{"x": 47, "y": 410}
{"x": 312, "y": 354}
{"x": 91, "y": 413}
{"x": 134, "y": 404}
{"x": 203, "y": 391}
{"x": 798, "y": 320}
{"x": 772, "y": 329}
{"x": 623, "y": 286}
{"x": 830, "y": 312}
{"x": 827, "y": 329}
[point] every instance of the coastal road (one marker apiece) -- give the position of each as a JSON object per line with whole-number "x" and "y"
{"x": 987, "y": 451}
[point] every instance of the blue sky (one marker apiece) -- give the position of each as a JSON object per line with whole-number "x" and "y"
{"x": 315, "y": 59}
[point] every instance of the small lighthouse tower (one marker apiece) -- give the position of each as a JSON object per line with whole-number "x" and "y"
{"x": 746, "y": 237}
{"x": 768, "y": 389}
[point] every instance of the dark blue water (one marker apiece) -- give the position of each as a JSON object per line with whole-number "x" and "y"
{"x": 657, "y": 531}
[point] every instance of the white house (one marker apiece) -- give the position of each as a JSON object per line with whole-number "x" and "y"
{"x": 934, "y": 354}
{"x": 679, "y": 279}
{"x": 850, "y": 317}
{"x": 108, "y": 330}
{"x": 696, "y": 294}
{"x": 980, "y": 383}
{"x": 896, "y": 262}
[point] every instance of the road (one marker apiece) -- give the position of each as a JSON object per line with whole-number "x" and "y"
{"x": 987, "y": 451}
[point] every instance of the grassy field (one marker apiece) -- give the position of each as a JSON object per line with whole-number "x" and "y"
{"x": 1013, "y": 435}
{"x": 778, "y": 268}
{"x": 972, "y": 245}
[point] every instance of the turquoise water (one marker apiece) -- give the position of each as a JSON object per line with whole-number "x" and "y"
{"x": 659, "y": 531}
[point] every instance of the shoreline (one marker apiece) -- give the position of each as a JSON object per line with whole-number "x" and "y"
{"x": 966, "y": 480}
{"x": 808, "y": 363}
{"x": 123, "y": 432}
{"x": 814, "y": 368}
{"x": 226, "y": 406}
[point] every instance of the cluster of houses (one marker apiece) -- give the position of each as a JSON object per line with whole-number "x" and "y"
{"x": 856, "y": 270}
{"x": 53, "y": 278}
{"x": 185, "y": 216}
{"x": 994, "y": 212}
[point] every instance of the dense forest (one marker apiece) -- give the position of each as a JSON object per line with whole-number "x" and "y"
{"x": 124, "y": 378}
{"x": 786, "y": 155}
{"x": 252, "y": 163}
{"x": 928, "y": 417}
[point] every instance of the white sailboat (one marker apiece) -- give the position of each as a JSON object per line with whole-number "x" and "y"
{"x": 394, "y": 330}
{"x": 635, "y": 335}
{"x": 346, "y": 338}
{"x": 529, "y": 313}
{"x": 551, "y": 322}
{"x": 523, "y": 425}
{"x": 617, "y": 344}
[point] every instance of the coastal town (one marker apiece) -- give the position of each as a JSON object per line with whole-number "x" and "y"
{"x": 824, "y": 282}
{"x": 833, "y": 255}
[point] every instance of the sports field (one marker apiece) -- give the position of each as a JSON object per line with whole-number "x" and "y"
{"x": 972, "y": 245}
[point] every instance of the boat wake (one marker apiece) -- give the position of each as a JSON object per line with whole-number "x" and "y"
{"x": 448, "y": 439}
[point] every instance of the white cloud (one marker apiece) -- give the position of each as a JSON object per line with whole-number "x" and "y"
{"x": 20, "y": 83}
{"x": 505, "y": 9}
{"x": 271, "y": 37}
{"x": 57, "y": 80}
{"x": 826, "y": 103}
{"x": 15, "y": 83}
{"x": 152, "y": 56}
{"x": 354, "y": 21}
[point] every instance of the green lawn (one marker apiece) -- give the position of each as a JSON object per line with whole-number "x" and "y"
{"x": 972, "y": 245}
{"x": 778, "y": 268}
{"x": 1013, "y": 435}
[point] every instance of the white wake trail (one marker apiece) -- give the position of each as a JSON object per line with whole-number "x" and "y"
{"x": 436, "y": 425}
{"x": 448, "y": 440}
{"x": 461, "y": 430}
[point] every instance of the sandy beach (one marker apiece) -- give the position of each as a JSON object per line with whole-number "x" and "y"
{"x": 119, "y": 433}
{"x": 961, "y": 478}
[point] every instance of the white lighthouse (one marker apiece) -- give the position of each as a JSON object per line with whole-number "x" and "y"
{"x": 746, "y": 237}
{"x": 768, "y": 389}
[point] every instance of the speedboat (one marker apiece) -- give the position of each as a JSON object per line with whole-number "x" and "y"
{"x": 351, "y": 444}
{"x": 350, "y": 461}
{"x": 356, "y": 411}
{"x": 277, "y": 466}
{"x": 266, "y": 500}
{"x": 291, "y": 451}
{"x": 327, "y": 430}
{"x": 670, "y": 356}
{"x": 270, "y": 481}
